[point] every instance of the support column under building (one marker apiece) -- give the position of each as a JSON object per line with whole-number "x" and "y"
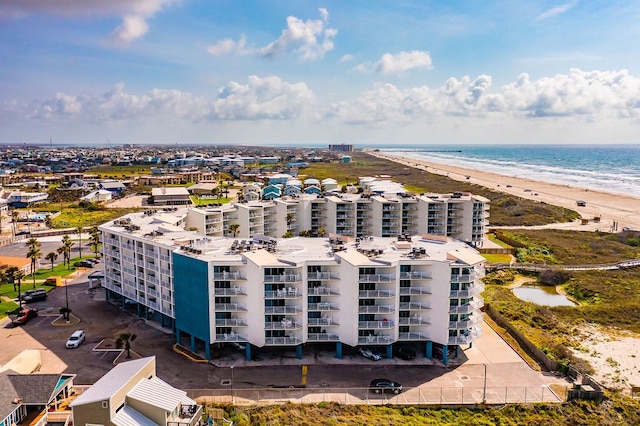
{"x": 339, "y": 350}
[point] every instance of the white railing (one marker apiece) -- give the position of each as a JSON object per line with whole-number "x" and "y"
{"x": 376, "y": 324}
{"x": 283, "y": 278}
{"x": 229, "y": 307}
{"x": 377, "y": 278}
{"x": 375, "y": 309}
{"x": 322, "y": 306}
{"x": 322, "y": 337}
{"x": 376, "y": 294}
{"x": 282, "y": 341}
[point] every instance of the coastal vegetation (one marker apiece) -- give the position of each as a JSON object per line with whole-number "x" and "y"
{"x": 616, "y": 410}
{"x": 506, "y": 210}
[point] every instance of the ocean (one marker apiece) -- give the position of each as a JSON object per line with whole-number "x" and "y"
{"x": 609, "y": 168}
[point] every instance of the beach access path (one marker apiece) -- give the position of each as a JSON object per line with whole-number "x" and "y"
{"x": 623, "y": 210}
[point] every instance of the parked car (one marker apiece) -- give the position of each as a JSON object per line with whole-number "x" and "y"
{"x": 34, "y": 295}
{"x": 368, "y": 353}
{"x": 25, "y": 315}
{"x": 75, "y": 339}
{"x": 238, "y": 346}
{"x": 405, "y": 352}
{"x": 83, "y": 264}
{"x": 385, "y": 385}
{"x": 437, "y": 351}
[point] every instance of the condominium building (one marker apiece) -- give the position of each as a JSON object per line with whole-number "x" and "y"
{"x": 264, "y": 291}
{"x": 462, "y": 216}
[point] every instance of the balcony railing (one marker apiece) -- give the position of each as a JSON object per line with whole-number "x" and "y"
{"x": 415, "y": 275}
{"x": 377, "y": 278}
{"x": 322, "y": 337}
{"x": 386, "y": 324}
{"x": 188, "y": 415}
{"x": 228, "y": 276}
{"x": 231, "y": 322}
{"x": 467, "y": 308}
{"x": 234, "y": 291}
{"x": 406, "y": 291}
{"x": 322, "y": 276}
{"x": 282, "y": 341}
{"x": 283, "y": 278}
{"x": 291, "y": 310}
{"x": 326, "y": 291}
{"x": 322, "y": 306}
{"x": 414, "y": 306}
{"x": 469, "y": 322}
{"x": 230, "y": 307}
{"x": 474, "y": 290}
{"x": 472, "y": 335}
{"x": 464, "y": 278}
{"x": 230, "y": 337}
{"x": 375, "y": 309}
{"x": 326, "y": 321}
{"x": 413, "y": 320}
{"x": 375, "y": 340}
{"x": 376, "y": 294}
{"x": 290, "y": 293}
{"x": 283, "y": 325}
{"x": 413, "y": 336}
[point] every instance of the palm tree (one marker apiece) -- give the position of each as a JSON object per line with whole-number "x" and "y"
{"x": 48, "y": 222}
{"x": 79, "y": 232}
{"x": 66, "y": 246}
{"x": 14, "y": 221}
{"x": 51, "y": 257}
{"x": 8, "y": 273}
{"x": 95, "y": 240}
{"x": 60, "y": 251}
{"x": 234, "y": 228}
{"x": 34, "y": 254}
{"x": 2, "y": 217}
{"x": 124, "y": 340}
{"x": 18, "y": 276}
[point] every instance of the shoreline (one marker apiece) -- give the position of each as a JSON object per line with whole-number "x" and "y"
{"x": 615, "y": 211}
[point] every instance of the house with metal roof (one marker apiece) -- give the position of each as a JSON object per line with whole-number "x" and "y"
{"x": 131, "y": 394}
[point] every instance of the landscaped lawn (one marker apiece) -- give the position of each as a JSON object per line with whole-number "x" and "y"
{"x": 497, "y": 258}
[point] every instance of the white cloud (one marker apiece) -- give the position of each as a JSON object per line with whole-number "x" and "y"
{"x": 134, "y": 13}
{"x": 229, "y": 46}
{"x": 309, "y": 39}
{"x": 258, "y": 98}
{"x": 555, "y": 11}
{"x": 579, "y": 95}
{"x": 346, "y": 58}
{"x": 398, "y": 63}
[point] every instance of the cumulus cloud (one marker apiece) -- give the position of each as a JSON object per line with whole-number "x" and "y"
{"x": 398, "y": 63}
{"x": 581, "y": 95}
{"x": 229, "y": 46}
{"x": 555, "y": 11}
{"x": 134, "y": 13}
{"x": 346, "y": 58}
{"x": 258, "y": 98}
{"x": 309, "y": 39}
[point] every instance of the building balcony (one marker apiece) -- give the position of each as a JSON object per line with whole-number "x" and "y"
{"x": 290, "y": 293}
{"x": 230, "y": 337}
{"x": 413, "y": 320}
{"x": 285, "y": 324}
{"x": 230, "y": 307}
{"x": 234, "y": 291}
{"x": 325, "y": 321}
{"x": 324, "y": 291}
{"x": 322, "y": 276}
{"x": 283, "y": 278}
{"x": 407, "y": 291}
{"x": 376, "y": 294}
{"x": 322, "y": 337}
{"x": 415, "y": 275}
{"x": 376, "y": 278}
{"x": 465, "y": 278}
{"x": 322, "y": 306}
{"x": 412, "y": 336}
{"x": 283, "y": 341}
{"x": 467, "y": 337}
{"x": 414, "y": 306}
{"x": 282, "y": 310}
{"x": 375, "y": 340}
{"x": 231, "y": 322}
{"x": 468, "y": 307}
{"x": 228, "y": 276}
{"x": 375, "y": 309}
{"x": 473, "y": 290}
{"x": 467, "y": 323}
{"x": 381, "y": 324}
{"x": 187, "y": 415}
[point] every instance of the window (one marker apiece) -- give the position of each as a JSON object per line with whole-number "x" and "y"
{"x": 105, "y": 404}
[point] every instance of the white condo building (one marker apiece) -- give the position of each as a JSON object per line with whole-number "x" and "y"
{"x": 286, "y": 292}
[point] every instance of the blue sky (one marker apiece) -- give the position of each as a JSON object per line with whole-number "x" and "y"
{"x": 308, "y": 72}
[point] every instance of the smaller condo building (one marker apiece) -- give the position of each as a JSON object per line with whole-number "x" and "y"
{"x": 289, "y": 292}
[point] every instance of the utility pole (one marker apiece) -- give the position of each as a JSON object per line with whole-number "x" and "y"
{"x": 484, "y": 389}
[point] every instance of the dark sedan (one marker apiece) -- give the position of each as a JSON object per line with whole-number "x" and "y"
{"x": 385, "y": 385}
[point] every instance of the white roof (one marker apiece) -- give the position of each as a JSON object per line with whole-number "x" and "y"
{"x": 158, "y": 393}
{"x": 127, "y": 416}
{"x": 112, "y": 382}
{"x": 169, "y": 190}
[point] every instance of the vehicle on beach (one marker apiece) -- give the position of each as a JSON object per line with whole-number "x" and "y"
{"x": 581, "y": 203}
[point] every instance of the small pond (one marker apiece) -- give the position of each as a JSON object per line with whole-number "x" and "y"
{"x": 544, "y": 295}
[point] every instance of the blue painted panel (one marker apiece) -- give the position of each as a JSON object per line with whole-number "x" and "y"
{"x": 191, "y": 295}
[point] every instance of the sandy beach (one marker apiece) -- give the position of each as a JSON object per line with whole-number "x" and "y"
{"x": 612, "y": 209}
